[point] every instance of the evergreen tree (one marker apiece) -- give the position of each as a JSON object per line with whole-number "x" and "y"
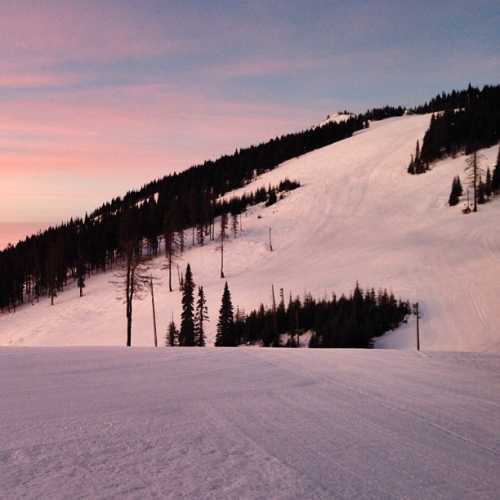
{"x": 172, "y": 337}
{"x": 234, "y": 223}
{"x": 456, "y": 191}
{"x": 201, "y": 316}
{"x": 271, "y": 197}
{"x": 51, "y": 272}
{"x": 225, "y": 325}
{"x": 81, "y": 271}
{"x": 186, "y": 334}
{"x": 481, "y": 192}
{"x": 495, "y": 178}
{"x": 487, "y": 185}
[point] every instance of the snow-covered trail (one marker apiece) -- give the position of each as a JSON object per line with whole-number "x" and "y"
{"x": 248, "y": 423}
{"x": 357, "y": 216}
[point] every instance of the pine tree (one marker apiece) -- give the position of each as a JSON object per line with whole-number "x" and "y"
{"x": 234, "y": 224}
{"x": 172, "y": 337}
{"x": 411, "y": 166}
{"x": 271, "y": 197}
{"x": 487, "y": 185}
{"x": 51, "y": 272}
{"x": 225, "y": 325}
{"x": 81, "y": 265}
{"x": 481, "y": 192}
{"x": 495, "y": 178}
{"x": 453, "y": 199}
{"x": 81, "y": 271}
{"x": 201, "y": 316}
{"x": 186, "y": 334}
{"x": 456, "y": 191}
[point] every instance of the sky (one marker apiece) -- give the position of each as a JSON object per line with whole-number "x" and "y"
{"x": 101, "y": 96}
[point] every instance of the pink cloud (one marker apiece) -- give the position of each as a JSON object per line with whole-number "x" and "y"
{"x": 34, "y": 80}
{"x": 51, "y": 31}
{"x": 118, "y": 138}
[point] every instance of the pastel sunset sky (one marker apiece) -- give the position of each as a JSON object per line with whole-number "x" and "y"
{"x": 100, "y": 96}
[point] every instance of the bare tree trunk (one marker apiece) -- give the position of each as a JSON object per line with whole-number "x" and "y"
{"x": 154, "y": 313}
{"x": 129, "y": 296}
{"x": 222, "y": 256}
{"x": 129, "y": 322}
{"x": 475, "y": 180}
{"x": 170, "y": 271}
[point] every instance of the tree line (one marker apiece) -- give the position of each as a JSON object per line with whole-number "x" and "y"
{"x": 482, "y": 184}
{"x": 463, "y": 121}
{"x": 43, "y": 263}
{"x": 165, "y": 209}
{"x": 348, "y": 321}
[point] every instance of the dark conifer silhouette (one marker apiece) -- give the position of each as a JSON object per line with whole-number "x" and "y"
{"x": 495, "y": 178}
{"x": 172, "y": 336}
{"x": 463, "y": 121}
{"x": 352, "y": 321}
{"x": 456, "y": 191}
{"x": 225, "y": 327}
{"x": 186, "y": 334}
{"x": 488, "y": 190}
{"x": 51, "y": 272}
{"x": 200, "y": 318}
{"x": 81, "y": 271}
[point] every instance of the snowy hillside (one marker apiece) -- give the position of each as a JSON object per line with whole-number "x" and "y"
{"x": 357, "y": 216}
{"x": 336, "y": 118}
{"x": 248, "y": 423}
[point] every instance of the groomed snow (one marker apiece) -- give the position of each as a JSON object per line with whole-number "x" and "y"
{"x": 248, "y": 423}
{"x": 357, "y": 216}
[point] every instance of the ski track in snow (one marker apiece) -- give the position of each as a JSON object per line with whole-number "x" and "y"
{"x": 248, "y": 423}
{"x": 357, "y": 216}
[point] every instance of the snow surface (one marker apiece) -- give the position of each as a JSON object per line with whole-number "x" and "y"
{"x": 357, "y": 216}
{"x": 336, "y": 118}
{"x": 248, "y": 423}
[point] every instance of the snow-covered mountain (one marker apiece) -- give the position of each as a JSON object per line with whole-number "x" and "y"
{"x": 357, "y": 216}
{"x": 336, "y": 118}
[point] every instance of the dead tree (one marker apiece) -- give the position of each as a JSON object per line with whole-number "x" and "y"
{"x": 474, "y": 171}
{"x": 172, "y": 243}
{"x": 151, "y": 287}
{"x": 223, "y": 229}
{"x": 131, "y": 277}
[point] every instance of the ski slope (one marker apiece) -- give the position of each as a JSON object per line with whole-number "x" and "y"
{"x": 357, "y": 216}
{"x": 250, "y": 423}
